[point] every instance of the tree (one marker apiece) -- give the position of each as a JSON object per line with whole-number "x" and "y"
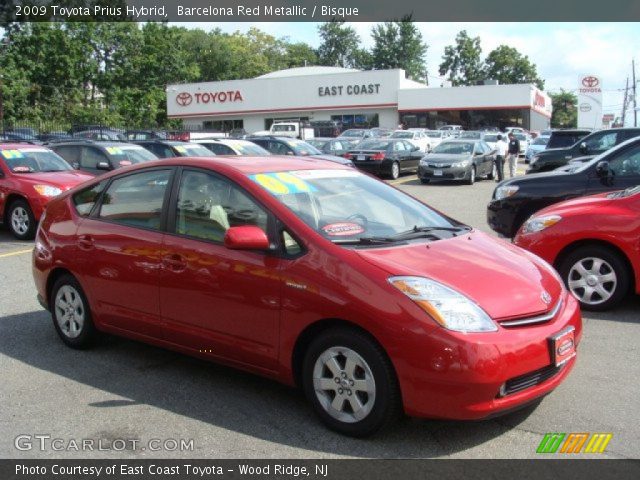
{"x": 340, "y": 45}
{"x": 399, "y": 44}
{"x": 507, "y": 65}
{"x": 461, "y": 62}
{"x": 300, "y": 55}
{"x": 565, "y": 111}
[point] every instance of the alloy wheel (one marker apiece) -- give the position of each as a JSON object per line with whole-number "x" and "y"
{"x": 344, "y": 384}
{"x": 20, "y": 220}
{"x": 70, "y": 313}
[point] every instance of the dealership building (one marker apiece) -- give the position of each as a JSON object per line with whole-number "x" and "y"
{"x": 376, "y": 98}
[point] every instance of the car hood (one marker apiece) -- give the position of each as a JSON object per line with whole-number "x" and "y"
{"x": 446, "y": 157}
{"x": 63, "y": 180}
{"x": 505, "y": 280}
{"x": 580, "y": 203}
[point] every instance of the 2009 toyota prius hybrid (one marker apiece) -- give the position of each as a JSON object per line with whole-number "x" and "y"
{"x": 313, "y": 274}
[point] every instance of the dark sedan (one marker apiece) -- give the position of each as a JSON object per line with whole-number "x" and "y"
{"x": 386, "y": 156}
{"x": 333, "y": 146}
{"x": 463, "y": 160}
{"x": 174, "y": 148}
{"x": 515, "y": 200}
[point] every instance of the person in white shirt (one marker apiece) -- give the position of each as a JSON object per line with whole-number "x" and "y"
{"x": 501, "y": 153}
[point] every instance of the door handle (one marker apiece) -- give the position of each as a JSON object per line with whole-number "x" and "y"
{"x": 174, "y": 262}
{"x": 85, "y": 242}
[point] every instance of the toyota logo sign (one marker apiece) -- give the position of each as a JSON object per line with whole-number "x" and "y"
{"x": 590, "y": 82}
{"x": 183, "y": 99}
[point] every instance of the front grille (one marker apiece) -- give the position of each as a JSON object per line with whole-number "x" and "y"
{"x": 517, "y": 384}
{"x": 533, "y": 320}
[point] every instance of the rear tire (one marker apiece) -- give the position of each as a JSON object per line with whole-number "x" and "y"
{"x": 395, "y": 171}
{"x": 350, "y": 382}
{"x": 597, "y": 277}
{"x": 71, "y": 314}
{"x": 21, "y": 221}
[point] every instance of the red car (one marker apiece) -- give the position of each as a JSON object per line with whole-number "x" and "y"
{"x": 593, "y": 242}
{"x": 313, "y": 274}
{"x": 30, "y": 176}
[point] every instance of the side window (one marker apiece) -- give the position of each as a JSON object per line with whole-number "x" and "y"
{"x": 398, "y": 147}
{"x": 136, "y": 200}
{"x": 224, "y": 150}
{"x": 336, "y": 146}
{"x": 91, "y": 157}
{"x": 209, "y": 205}
{"x": 604, "y": 141}
{"x": 278, "y": 148}
{"x": 85, "y": 199}
{"x": 70, "y": 153}
{"x": 626, "y": 163}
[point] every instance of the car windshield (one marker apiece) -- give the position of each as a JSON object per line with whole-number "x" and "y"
{"x": 352, "y": 133}
{"x": 317, "y": 143}
{"x": 471, "y": 135}
{"x": 491, "y": 138}
{"x": 434, "y": 134}
{"x": 402, "y": 135}
{"x": 130, "y": 154}
{"x": 346, "y": 206}
{"x": 540, "y": 141}
{"x": 193, "y": 150}
{"x": 454, "y": 148}
{"x": 302, "y": 148}
{"x": 32, "y": 160}
{"x": 283, "y": 128}
{"x": 374, "y": 145}
{"x": 248, "y": 148}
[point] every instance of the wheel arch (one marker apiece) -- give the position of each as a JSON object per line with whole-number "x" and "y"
{"x": 52, "y": 278}
{"x": 588, "y": 242}
{"x": 313, "y": 330}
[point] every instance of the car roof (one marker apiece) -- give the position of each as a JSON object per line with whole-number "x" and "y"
{"x": 247, "y": 165}
{"x": 16, "y": 145}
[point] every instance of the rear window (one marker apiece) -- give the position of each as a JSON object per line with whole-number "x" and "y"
{"x": 565, "y": 139}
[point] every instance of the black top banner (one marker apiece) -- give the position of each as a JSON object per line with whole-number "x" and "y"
{"x": 319, "y": 10}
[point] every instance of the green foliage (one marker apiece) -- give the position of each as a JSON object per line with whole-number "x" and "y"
{"x": 340, "y": 45}
{"x": 461, "y": 62}
{"x": 507, "y": 65}
{"x": 565, "y": 111}
{"x": 399, "y": 44}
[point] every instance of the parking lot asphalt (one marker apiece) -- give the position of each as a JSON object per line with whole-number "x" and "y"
{"x": 127, "y": 390}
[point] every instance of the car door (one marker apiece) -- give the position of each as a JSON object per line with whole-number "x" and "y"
{"x": 119, "y": 252}
{"x": 487, "y": 158}
{"x": 91, "y": 157}
{"x": 624, "y": 171}
{"x": 215, "y": 301}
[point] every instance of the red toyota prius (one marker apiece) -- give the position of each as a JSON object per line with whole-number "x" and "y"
{"x": 313, "y": 274}
{"x": 593, "y": 242}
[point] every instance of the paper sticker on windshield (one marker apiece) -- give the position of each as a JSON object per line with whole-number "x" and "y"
{"x": 342, "y": 229}
{"x": 114, "y": 150}
{"x": 281, "y": 183}
{"x": 181, "y": 149}
{"x": 21, "y": 169}
{"x": 124, "y": 163}
{"x": 315, "y": 174}
{"x": 9, "y": 154}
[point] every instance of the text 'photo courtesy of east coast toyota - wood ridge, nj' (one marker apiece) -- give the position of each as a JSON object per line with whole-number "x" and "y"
{"x": 282, "y": 239}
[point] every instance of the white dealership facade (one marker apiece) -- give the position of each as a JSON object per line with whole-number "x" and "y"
{"x": 355, "y": 98}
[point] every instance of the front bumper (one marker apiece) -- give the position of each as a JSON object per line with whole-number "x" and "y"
{"x": 465, "y": 379}
{"x": 446, "y": 173}
{"x": 501, "y": 216}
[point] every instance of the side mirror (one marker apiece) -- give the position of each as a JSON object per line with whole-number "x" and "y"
{"x": 583, "y": 148}
{"x": 246, "y": 237}
{"x": 602, "y": 169}
{"x": 103, "y": 166}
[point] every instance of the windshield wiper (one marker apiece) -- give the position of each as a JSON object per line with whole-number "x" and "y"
{"x": 416, "y": 231}
{"x": 366, "y": 241}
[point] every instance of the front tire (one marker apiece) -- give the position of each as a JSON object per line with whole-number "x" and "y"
{"x": 424, "y": 181}
{"x": 350, "y": 382}
{"x": 494, "y": 172}
{"x": 22, "y": 222}
{"x": 472, "y": 176}
{"x": 596, "y": 276}
{"x": 71, "y": 314}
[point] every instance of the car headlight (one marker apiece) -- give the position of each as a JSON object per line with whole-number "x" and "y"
{"x": 537, "y": 224}
{"x": 464, "y": 163}
{"x": 47, "y": 190}
{"x": 449, "y": 308}
{"x": 506, "y": 191}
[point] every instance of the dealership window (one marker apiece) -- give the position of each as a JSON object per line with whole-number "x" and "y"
{"x": 223, "y": 125}
{"x": 358, "y": 120}
{"x": 270, "y": 121}
{"x": 469, "y": 119}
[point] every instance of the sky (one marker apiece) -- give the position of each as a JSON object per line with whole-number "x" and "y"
{"x": 562, "y": 52}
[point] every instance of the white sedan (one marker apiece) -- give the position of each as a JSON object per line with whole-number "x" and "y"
{"x": 416, "y": 137}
